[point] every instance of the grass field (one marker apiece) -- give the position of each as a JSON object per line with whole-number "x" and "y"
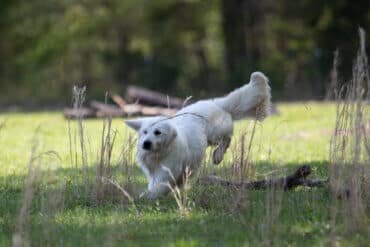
{"x": 62, "y": 209}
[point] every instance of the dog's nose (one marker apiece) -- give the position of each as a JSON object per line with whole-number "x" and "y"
{"x": 147, "y": 145}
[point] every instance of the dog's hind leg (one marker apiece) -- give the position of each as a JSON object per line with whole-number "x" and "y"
{"x": 218, "y": 153}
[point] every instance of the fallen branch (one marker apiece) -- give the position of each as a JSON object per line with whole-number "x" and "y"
{"x": 298, "y": 178}
{"x": 101, "y": 110}
{"x": 133, "y": 109}
{"x": 101, "y": 106}
{"x": 137, "y": 109}
{"x": 154, "y": 111}
{"x": 106, "y": 110}
{"x": 73, "y": 113}
{"x": 119, "y": 100}
{"x": 151, "y": 98}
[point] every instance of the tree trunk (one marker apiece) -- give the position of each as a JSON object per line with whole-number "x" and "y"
{"x": 234, "y": 29}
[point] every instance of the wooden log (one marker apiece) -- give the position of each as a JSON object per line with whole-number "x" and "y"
{"x": 154, "y": 111}
{"x": 101, "y": 110}
{"x": 84, "y": 112}
{"x": 132, "y": 109}
{"x": 119, "y": 100}
{"x": 298, "y": 178}
{"x": 152, "y": 98}
{"x": 100, "y": 106}
{"x": 137, "y": 109}
{"x": 112, "y": 113}
{"x": 106, "y": 110}
{"x": 140, "y": 110}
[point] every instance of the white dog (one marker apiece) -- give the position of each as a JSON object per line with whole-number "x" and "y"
{"x": 180, "y": 141}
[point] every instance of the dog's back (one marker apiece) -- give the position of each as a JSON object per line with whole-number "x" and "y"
{"x": 207, "y": 116}
{"x": 215, "y": 116}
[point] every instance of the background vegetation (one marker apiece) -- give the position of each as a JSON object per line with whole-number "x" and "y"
{"x": 181, "y": 47}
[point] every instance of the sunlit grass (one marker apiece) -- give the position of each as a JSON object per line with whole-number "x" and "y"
{"x": 299, "y": 134}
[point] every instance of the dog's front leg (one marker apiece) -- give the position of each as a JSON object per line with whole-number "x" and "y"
{"x": 158, "y": 191}
{"x": 218, "y": 153}
{"x": 160, "y": 184}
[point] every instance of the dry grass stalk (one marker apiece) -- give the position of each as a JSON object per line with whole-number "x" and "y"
{"x": 104, "y": 164}
{"x": 349, "y": 158}
{"x": 242, "y": 166}
{"x": 273, "y": 205}
{"x": 124, "y": 192}
{"x": 78, "y": 100}
{"x": 186, "y": 101}
{"x": 2, "y": 125}
{"x": 180, "y": 196}
{"x": 334, "y": 83}
{"x": 33, "y": 176}
{"x": 78, "y": 140}
{"x": 128, "y": 162}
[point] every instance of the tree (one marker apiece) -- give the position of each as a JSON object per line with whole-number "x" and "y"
{"x": 234, "y": 29}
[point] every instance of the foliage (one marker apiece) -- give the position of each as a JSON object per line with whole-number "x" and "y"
{"x": 178, "y": 47}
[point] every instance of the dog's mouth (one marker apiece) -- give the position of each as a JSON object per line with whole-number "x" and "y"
{"x": 151, "y": 149}
{"x": 155, "y": 150}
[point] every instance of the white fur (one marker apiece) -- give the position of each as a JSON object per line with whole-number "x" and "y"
{"x": 183, "y": 139}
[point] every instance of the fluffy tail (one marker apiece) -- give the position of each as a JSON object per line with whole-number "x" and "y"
{"x": 251, "y": 100}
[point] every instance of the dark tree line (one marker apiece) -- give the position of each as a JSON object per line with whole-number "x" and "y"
{"x": 198, "y": 47}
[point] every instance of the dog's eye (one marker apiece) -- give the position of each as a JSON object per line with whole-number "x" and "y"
{"x": 145, "y": 132}
{"x": 157, "y": 132}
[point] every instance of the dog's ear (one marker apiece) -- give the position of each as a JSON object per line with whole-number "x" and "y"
{"x": 172, "y": 135}
{"x": 134, "y": 123}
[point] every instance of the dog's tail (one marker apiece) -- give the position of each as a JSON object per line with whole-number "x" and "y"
{"x": 251, "y": 100}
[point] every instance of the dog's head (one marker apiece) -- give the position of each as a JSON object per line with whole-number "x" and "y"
{"x": 155, "y": 133}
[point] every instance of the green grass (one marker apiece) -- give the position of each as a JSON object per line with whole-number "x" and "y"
{"x": 65, "y": 213}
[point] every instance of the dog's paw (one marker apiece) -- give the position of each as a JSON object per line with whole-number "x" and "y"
{"x": 149, "y": 195}
{"x": 143, "y": 195}
{"x": 218, "y": 153}
{"x": 217, "y": 156}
